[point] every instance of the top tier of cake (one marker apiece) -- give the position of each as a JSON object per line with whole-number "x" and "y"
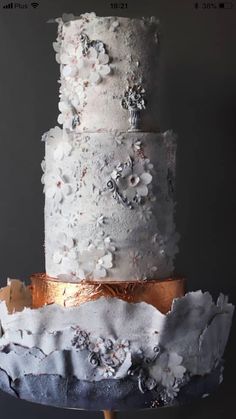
{"x": 109, "y": 78}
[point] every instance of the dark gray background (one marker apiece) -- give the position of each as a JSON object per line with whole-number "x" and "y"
{"x": 198, "y": 101}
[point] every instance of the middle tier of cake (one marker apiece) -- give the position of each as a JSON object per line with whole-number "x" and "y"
{"x": 109, "y": 205}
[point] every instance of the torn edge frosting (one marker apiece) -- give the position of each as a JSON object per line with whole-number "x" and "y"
{"x": 110, "y": 338}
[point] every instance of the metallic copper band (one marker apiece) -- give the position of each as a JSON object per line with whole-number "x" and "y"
{"x": 159, "y": 293}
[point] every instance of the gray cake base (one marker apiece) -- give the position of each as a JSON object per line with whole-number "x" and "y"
{"x": 108, "y": 394}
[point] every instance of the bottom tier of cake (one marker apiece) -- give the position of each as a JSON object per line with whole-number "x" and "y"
{"x": 110, "y": 354}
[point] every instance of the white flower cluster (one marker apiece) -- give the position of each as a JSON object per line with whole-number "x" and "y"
{"x": 97, "y": 259}
{"x": 58, "y": 184}
{"x": 94, "y": 262}
{"x": 133, "y": 178}
{"x": 168, "y": 371}
{"x": 83, "y": 62}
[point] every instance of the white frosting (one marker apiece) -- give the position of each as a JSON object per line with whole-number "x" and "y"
{"x": 94, "y": 76}
{"x": 109, "y": 174}
{"x": 109, "y": 205}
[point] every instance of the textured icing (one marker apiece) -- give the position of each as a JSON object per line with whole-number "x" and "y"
{"x": 100, "y": 57}
{"x": 109, "y": 205}
{"x": 109, "y": 173}
{"x": 110, "y": 338}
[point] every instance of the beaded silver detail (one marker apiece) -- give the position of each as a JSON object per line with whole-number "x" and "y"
{"x": 134, "y": 101}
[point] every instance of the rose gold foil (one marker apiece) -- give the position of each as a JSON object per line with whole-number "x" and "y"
{"x": 159, "y": 293}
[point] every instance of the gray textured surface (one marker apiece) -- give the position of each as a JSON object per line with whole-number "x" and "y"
{"x": 54, "y": 390}
{"x": 40, "y": 341}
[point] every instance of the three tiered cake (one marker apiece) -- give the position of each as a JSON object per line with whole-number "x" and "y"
{"x": 107, "y": 326}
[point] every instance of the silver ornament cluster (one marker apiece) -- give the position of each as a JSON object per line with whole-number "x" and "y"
{"x": 114, "y": 187}
{"x": 105, "y": 354}
{"x": 134, "y": 101}
{"x": 86, "y": 43}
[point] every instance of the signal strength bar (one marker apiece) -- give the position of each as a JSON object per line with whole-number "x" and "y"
{"x": 8, "y": 6}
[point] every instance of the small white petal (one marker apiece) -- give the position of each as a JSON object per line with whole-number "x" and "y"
{"x": 80, "y": 63}
{"x": 179, "y": 371}
{"x": 50, "y": 191}
{"x": 174, "y": 359}
{"x": 67, "y": 190}
{"x": 71, "y": 50}
{"x": 79, "y": 51}
{"x": 95, "y": 77}
{"x": 146, "y": 178}
{"x": 63, "y": 106}
{"x": 60, "y": 118}
{"x": 58, "y": 58}
{"x": 142, "y": 190}
{"x": 58, "y": 153}
{"x": 69, "y": 71}
{"x": 130, "y": 193}
{"x": 107, "y": 261}
{"x": 92, "y": 54}
{"x": 64, "y": 58}
{"x": 103, "y": 58}
{"x": 56, "y": 46}
{"x": 104, "y": 70}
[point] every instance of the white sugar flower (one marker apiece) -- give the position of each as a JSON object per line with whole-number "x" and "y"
{"x": 72, "y": 219}
{"x": 70, "y": 60}
{"x": 90, "y": 63}
{"x": 68, "y": 117}
{"x": 57, "y": 49}
{"x": 55, "y": 133}
{"x": 63, "y": 149}
{"x": 65, "y": 248}
{"x": 145, "y": 213}
{"x": 88, "y": 15}
{"x": 57, "y": 185}
{"x": 107, "y": 371}
{"x": 114, "y": 25}
{"x": 103, "y": 263}
{"x": 168, "y": 368}
{"x": 74, "y": 91}
{"x": 99, "y": 220}
{"x": 109, "y": 244}
{"x": 132, "y": 179}
{"x": 99, "y": 67}
{"x": 94, "y": 263}
{"x": 137, "y": 145}
{"x": 99, "y": 346}
{"x": 43, "y": 167}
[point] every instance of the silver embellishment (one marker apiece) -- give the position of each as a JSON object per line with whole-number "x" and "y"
{"x": 85, "y": 41}
{"x": 112, "y": 185}
{"x": 75, "y": 121}
{"x": 93, "y": 359}
{"x": 99, "y": 46}
{"x": 134, "y": 120}
{"x": 129, "y": 182}
{"x": 134, "y": 101}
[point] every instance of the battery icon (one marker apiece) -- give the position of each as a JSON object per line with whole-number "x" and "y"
{"x": 226, "y": 5}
